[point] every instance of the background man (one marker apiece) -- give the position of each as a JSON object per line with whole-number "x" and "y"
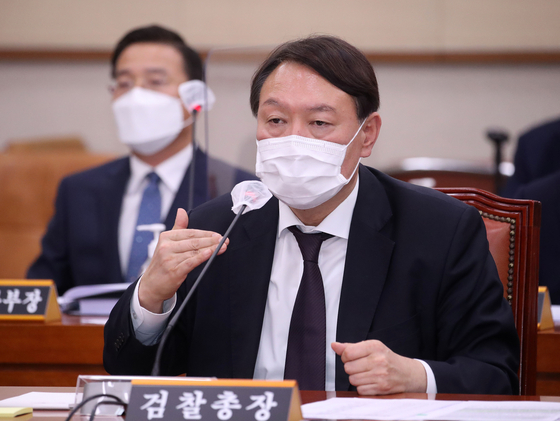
{"x": 350, "y": 280}
{"x": 92, "y": 237}
{"x": 537, "y": 156}
{"x": 547, "y": 191}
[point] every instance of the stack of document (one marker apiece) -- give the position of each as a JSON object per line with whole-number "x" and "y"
{"x": 91, "y": 300}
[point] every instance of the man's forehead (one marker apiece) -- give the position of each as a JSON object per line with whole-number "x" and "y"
{"x": 292, "y": 83}
{"x": 151, "y": 58}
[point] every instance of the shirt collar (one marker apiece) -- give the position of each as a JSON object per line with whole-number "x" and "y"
{"x": 337, "y": 223}
{"x": 171, "y": 171}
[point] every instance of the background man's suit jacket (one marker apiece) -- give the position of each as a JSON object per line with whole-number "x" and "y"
{"x": 418, "y": 277}
{"x": 537, "y": 155}
{"x": 80, "y": 246}
{"x": 547, "y": 191}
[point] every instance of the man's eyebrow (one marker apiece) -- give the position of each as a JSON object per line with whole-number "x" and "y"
{"x": 322, "y": 108}
{"x": 314, "y": 108}
{"x": 123, "y": 72}
{"x": 155, "y": 70}
{"x": 271, "y": 101}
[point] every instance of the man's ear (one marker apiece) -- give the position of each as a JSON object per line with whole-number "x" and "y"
{"x": 371, "y": 129}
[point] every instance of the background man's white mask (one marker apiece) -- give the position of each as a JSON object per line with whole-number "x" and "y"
{"x": 148, "y": 121}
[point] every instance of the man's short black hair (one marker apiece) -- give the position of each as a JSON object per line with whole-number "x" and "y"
{"x": 338, "y": 62}
{"x": 159, "y": 35}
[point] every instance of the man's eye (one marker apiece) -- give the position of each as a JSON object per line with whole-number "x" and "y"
{"x": 156, "y": 82}
{"x": 275, "y": 121}
{"x": 123, "y": 84}
{"x": 320, "y": 123}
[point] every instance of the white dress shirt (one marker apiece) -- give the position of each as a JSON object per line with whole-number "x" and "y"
{"x": 287, "y": 270}
{"x": 171, "y": 172}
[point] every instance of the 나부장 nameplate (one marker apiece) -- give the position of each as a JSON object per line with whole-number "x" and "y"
{"x": 219, "y": 400}
{"x": 33, "y": 300}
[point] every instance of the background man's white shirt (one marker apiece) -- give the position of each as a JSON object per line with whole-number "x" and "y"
{"x": 171, "y": 173}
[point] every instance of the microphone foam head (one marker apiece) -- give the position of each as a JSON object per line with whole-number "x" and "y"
{"x": 195, "y": 95}
{"x": 252, "y": 193}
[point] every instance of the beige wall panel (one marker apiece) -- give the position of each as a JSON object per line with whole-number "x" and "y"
{"x": 502, "y": 24}
{"x": 427, "y": 110}
{"x": 78, "y": 24}
{"x": 382, "y": 25}
{"x": 373, "y": 24}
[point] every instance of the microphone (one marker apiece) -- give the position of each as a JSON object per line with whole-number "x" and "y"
{"x": 196, "y": 95}
{"x": 246, "y": 196}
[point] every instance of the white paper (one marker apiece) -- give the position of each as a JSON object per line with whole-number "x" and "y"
{"x": 419, "y": 409}
{"x": 97, "y": 306}
{"x": 501, "y": 411}
{"x": 555, "y": 313}
{"x": 373, "y": 409}
{"x": 42, "y": 400}
{"x": 93, "y": 320}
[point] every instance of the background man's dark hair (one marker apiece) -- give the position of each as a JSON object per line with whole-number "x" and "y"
{"x": 157, "y": 34}
{"x": 332, "y": 58}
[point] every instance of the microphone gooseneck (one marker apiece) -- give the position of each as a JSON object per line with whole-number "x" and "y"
{"x": 246, "y": 196}
{"x": 192, "y": 171}
{"x": 173, "y": 321}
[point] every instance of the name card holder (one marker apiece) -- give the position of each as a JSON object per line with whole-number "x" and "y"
{"x": 545, "y": 320}
{"x": 28, "y": 300}
{"x": 214, "y": 400}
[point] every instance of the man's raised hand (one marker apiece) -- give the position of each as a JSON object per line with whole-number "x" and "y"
{"x": 178, "y": 252}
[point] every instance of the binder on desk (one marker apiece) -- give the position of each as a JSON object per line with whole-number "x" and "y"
{"x": 91, "y": 300}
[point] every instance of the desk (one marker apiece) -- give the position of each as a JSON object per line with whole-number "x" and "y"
{"x": 50, "y": 354}
{"x": 548, "y": 362}
{"x": 306, "y": 397}
{"x": 53, "y": 354}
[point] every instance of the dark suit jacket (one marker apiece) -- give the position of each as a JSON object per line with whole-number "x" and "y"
{"x": 80, "y": 246}
{"x": 547, "y": 191}
{"x": 537, "y": 155}
{"x": 418, "y": 277}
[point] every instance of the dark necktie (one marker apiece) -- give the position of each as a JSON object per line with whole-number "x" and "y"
{"x": 149, "y": 213}
{"x": 305, "y": 357}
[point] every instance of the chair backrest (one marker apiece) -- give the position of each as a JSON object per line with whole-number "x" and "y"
{"x": 28, "y": 185}
{"x": 46, "y": 144}
{"x": 513, "y": 229}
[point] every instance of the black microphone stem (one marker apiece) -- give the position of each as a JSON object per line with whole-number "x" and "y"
{"x": 173, "y": 321}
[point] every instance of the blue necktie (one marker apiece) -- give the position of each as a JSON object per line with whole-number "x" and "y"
{"x": 307, "y": 340}
{"x": 149, "y": 213}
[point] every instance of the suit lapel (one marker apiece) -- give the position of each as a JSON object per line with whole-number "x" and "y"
{"x": 250, "y": 264}
{"x": 111, "y": 191}
{"x": 367, "y": 263}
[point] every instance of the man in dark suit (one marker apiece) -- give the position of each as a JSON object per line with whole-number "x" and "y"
{"x": 408, "y": 296}
{"x": 90, "y": 238}
{"x": 537, "y": 155}
{"x": 547, "y": 191}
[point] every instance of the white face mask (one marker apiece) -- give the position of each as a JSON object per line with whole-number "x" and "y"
{"x": 148, "y": 121}
{"x": 300, "y": 171}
